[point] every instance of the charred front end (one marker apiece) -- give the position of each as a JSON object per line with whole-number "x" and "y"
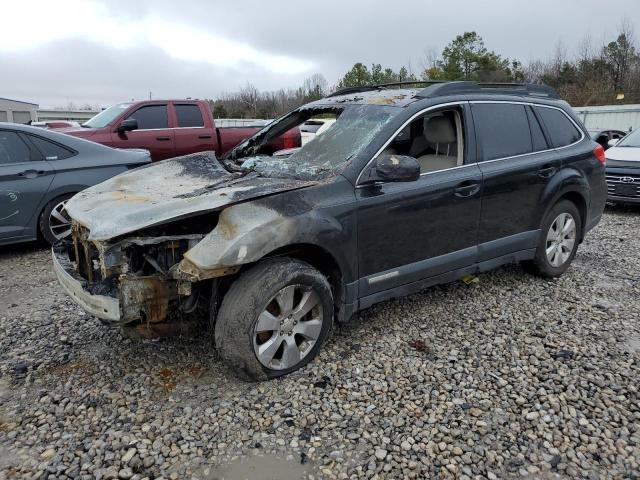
{"x": 135, "y": 279}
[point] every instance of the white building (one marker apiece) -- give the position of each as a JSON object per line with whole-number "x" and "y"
{"x": 60, "y": 114}
{"x": 17, "y": 112}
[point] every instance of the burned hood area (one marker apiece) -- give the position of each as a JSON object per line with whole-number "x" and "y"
{"x": 169, "y": 190}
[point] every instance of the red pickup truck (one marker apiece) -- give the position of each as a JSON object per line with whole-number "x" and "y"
{"x": 169, "y": 128}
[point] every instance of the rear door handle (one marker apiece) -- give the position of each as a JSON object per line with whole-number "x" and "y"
{"x": 31, "y": 173}
{"x": 204, "y": 136}
{"x": 163, "y": 139}
{"x": 467, "y": 189}
{"x": 546, "y": 171}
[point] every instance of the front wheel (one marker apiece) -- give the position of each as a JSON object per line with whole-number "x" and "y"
{"x": 274, "y": 318}
{"x": 559, "y": 238}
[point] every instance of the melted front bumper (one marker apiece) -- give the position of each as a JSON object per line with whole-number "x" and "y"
{"x": 102, "y": 306}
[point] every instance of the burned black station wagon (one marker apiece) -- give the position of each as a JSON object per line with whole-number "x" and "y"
{"x": 407, "y": 189}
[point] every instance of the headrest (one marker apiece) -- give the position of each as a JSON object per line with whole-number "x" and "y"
{"x": 439, "y": 130}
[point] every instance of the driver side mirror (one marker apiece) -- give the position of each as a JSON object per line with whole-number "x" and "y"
{"x": 127, "y": 125}
{"x": 397, "y": 168}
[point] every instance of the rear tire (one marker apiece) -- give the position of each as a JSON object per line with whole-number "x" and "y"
{"x": 274, "y": 319}
{"x": 559, "y": 239}
{"x": 54, "y": 223}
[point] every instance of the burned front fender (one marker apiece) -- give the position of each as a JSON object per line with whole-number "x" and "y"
{"x": 247, "y": 232}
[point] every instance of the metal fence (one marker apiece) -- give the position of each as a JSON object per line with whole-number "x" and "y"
{"x": 241, "y": 122}
{"x": 610, "y": 117}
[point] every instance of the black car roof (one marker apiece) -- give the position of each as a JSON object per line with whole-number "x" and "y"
{"x": 388, "y": 95}
{"x": 394, "y": 98}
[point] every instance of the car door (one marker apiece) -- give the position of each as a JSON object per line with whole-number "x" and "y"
{"x": 24, "y": 179}
{"x": 153, "y": 132}
{"x": 516, "y": 164}
{"x": 190, "y": 133}
{"x": 409, "y": 231}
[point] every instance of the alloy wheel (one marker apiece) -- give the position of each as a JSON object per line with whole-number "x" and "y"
{"x": 288, "y": 328}
{"x": 59, "y": 221}
{"x": 561, "y": 239}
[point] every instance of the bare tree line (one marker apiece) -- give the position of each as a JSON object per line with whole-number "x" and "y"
{"x": 591, "y": 74}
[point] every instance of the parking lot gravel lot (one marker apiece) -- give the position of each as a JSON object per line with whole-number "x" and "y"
{"x": 508, "y": 376}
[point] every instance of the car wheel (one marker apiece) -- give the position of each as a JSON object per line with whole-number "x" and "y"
{"x": 559, "y": 239}
{"x": 274, "y": 319}
{"x": 55, "y": 223}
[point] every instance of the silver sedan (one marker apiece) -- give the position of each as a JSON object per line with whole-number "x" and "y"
{"x": 41, "y": 169}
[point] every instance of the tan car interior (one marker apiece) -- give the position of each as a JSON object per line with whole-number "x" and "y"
{"x": 435, "y": 140}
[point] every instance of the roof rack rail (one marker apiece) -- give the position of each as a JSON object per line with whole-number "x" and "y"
{"x": 458, "y": 87}
{"x": 381, "y": 86}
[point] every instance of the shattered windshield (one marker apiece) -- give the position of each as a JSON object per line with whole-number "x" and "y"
{"x": 323, "y": 156}
{"x": 631, "y": 140}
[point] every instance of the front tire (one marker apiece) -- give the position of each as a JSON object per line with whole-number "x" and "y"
{"x": 559, "y": 239}
{"x": 274, "y": 318}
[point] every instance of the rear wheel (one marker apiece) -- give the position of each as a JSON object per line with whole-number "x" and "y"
{"x": 274, "y": 318}
{"x": 55, "y": 223}
{"x": 559, "y": 238}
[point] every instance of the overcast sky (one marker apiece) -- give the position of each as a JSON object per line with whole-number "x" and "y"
{"x": 102, "y": 52}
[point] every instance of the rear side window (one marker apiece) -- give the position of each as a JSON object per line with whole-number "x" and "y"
{"x": 151, "y": 116}
{"x": 502, "y": 129}
{"x": 50, "y": 150}
{"x": 12, "y": 148}
{"x": 562, "y": 131}
{"x": 189, "y": 116}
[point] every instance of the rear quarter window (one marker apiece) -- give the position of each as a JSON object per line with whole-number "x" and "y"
{"x": 502, "y": 129}
{"x": 561, "y": 130}
{"x": 537, "y": 137}
{"x": 50, "y": 150}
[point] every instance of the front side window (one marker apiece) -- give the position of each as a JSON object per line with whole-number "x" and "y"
{"x": 502, "y": 129}
{"x": 562, "y": 131}
{"x": 189, "y": 115}
{"x": 12, "y": 148}
{"x": 151, "y": 116}
{"x": 50, "y": 150}
{"x": 435, "y": 139}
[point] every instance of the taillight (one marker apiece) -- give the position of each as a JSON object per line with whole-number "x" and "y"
{"x": 288, "y": 141}
{"x": 291, "y": 139}
{"x": 598, "y": 152}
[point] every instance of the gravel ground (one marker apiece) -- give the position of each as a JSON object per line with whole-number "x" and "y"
{"x": 509, "y": 376}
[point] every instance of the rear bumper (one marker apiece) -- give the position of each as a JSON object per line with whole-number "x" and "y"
{"x": 102, "y": 306}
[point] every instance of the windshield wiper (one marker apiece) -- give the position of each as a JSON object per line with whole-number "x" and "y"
{"x": 232, "y": 166}
{"x": 84, "y": 125}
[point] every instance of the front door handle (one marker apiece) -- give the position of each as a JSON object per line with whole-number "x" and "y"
{"x": 204, "y": 136}
{"x": 163, "y": 139}
{"x": 467, "y": 189}
{"x": 31, "y": 173}
{"x": 546, "y": 171}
